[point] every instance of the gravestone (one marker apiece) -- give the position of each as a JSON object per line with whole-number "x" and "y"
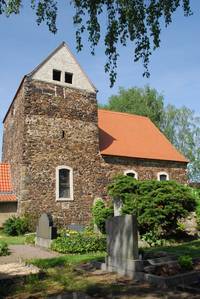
{"x": 46, "y": 232}
{"x": 122, "y": 246}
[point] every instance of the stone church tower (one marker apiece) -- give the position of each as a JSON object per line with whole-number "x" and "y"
{"x": 51, "y": 140}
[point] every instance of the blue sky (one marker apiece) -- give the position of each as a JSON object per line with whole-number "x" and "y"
{"x": 174, "y": 67}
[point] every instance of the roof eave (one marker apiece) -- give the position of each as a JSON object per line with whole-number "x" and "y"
{"x": 145, "y": 158}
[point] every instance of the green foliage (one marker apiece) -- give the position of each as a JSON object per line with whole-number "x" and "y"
{"x": 142, "y": 101}
{"x": 15, "y": 226}
{"x": 196, "y": 193}
{"x": 100, "y": 213}
{"x": 79, "y": 243}
{"x": 158, "y": 205}
{"x": 185, "y": 261}
{"x": 182, "y": 128}
{"x": 4, "y": 248}
{"x": 153, "y": 240}
{"x": 136, "y": 21}
{"x": 30, "y": 238}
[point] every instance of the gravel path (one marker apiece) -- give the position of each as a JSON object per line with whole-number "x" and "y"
{"x": 20, "y": 253}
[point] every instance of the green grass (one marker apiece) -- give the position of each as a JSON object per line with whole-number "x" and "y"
{"x": 11, "y": 240}
{"x": 191, "y": 248}
{"x": 60, "y": 276}
{"x": 71, "y": 259}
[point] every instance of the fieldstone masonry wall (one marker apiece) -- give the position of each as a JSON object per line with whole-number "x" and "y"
{"x": 34, "y": 145}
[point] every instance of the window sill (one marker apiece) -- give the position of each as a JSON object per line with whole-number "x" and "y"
{"x": 64, "y": 199}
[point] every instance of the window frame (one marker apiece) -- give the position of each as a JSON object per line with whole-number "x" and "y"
{"x": 162, "y": 173}
{"x": 131, "y": 171}
{"x": 68, "y": 73}
{"x": 71, "y": 198}
{"x": 58, "y": 71}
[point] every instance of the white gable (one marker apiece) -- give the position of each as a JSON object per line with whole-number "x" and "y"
{"x": 62, "y": 60}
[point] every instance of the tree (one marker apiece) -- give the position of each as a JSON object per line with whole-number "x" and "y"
{"x": 138, "y": 21}
{"x": 182, "y": 128}
{"x": 142, "y": 101}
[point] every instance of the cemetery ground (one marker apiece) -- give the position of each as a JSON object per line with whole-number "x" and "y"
{"x": 74, "y": 273}
{"x": 11, "y": 240}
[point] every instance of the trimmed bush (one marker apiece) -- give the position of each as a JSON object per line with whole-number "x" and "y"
{"x": 100, "y": 213}
{"x": 158, "y": 205}
{"x": 4, "y": 248}
{"x": 15, "y": 226}
{"x": 79, "y": 243}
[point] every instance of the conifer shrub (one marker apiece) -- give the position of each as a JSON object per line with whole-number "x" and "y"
{"x": 158, "y": 205}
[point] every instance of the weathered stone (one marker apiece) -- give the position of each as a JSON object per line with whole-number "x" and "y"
{"x": 122, "y": 246}
{"x": 46, "y": 232}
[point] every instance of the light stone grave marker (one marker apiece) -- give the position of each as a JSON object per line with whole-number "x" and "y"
{"x": 122, "y": 246}
{"x": 46, "y": 232}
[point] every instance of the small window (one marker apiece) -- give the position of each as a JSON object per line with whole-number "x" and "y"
{"x": 56, "y": 75}
{"x": 68, "y": 77}
{"x": 162, "y": 176}
{"x": 131, "y": 173}
{"x": 64, "y": 183}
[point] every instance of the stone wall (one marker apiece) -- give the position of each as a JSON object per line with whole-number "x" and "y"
{"x": 36, "y": 145}
{"x": 13, "y": 140}
{"x": 148, "y": 169}
{"x": 49, "y": 112}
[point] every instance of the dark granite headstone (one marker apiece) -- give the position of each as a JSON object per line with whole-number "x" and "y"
{"x": 46, "y": 232}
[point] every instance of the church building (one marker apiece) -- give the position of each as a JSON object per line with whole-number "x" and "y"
{"x": 60, "y": 151}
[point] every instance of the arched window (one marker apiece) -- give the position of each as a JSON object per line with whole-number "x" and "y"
{"x": 64, "y": 183}
{"x": 131, "y": 173}
{"x": 163, "y": 176}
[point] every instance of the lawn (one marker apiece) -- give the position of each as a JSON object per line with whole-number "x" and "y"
{"x": 11, "y": 240}
{"x": 191, "y": 248}
{"x": 66, "y": 274}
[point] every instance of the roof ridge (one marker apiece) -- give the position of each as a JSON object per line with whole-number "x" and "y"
{"x": 125, "y": 113}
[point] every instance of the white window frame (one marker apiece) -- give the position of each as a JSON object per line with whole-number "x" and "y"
{"x": 131, "y": 171}
{"x": 162, "y": 173}
{"x": 70, "y": 182}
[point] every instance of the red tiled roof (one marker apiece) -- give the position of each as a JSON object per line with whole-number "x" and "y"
{"x": 5, "y": 178}
{"x": 6, "y": 188}
{"x": 128, "y": 135}
{"x": 7, "y": 197}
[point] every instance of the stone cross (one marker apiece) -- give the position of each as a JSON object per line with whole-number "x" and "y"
{"x": 46, "y": 232}
{"x": 118, "y": 204}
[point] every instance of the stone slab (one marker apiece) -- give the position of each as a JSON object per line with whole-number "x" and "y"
{"x": 172, "y": 281}
{"x": 13, "y": 270}
{"x": 122, "y": 237}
